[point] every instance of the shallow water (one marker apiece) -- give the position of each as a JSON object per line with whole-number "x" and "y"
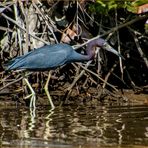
{"x": 74, "y": 127}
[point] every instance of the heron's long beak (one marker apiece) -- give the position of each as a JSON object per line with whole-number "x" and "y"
{"x": 107, "y": 47}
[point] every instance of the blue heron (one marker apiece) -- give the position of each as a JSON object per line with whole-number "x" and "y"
{"x": 52, "y": 56}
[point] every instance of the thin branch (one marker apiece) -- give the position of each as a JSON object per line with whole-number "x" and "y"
{"x": 14, "y": 81}
{"x": 119, "y": 47}
{"x": 108, "y": 74}
{"x": 18, "y": 30}
{"x": 16, "y": 23}
{"x": 45, "y": 21}
{"x": 139, "y": 48}
{"x": 69, "y": 89}
{"x": 114, "y": 29}
{"x": 113, "y": 87}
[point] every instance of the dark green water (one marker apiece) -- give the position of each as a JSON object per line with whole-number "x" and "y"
{"x": 74, "y": 127}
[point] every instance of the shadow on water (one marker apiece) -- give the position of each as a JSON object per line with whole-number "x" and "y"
{"x": 75, "y": 127}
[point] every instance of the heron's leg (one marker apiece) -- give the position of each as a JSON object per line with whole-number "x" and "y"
{"x": 32, "y": 95}
{"x": 47, "y": 91}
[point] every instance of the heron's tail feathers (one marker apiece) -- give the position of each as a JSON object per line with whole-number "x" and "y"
{"x": 9, "y": 64}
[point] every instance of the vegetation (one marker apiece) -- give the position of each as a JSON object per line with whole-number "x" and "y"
{"x": 26, "y": 25}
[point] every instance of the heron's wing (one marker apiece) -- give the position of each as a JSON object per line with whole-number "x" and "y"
{"x": 41, "y": 60}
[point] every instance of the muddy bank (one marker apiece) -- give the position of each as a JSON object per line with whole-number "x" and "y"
{"x": 91, "y": 96}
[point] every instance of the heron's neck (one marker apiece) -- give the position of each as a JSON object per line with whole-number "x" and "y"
{"x": 90, "y": 50}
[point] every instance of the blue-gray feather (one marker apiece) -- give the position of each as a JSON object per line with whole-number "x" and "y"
{"x": 52, "y": 56}
{"x": 45, "y": 58}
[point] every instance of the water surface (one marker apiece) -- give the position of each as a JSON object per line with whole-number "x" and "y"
{"x": 74, "y": 127}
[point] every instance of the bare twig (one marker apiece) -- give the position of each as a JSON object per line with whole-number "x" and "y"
{"x": 16, "y": 23}
{"x": 18, "y": 30}
{"x": 27, "y": 27}
{"x": 114, "y": 29}
{"x": 139, "y": 48}
{"x": 113, "y": 87}
{"x": 119, "y": 47}
{"x": 5, "y": 29}
{"x": 45, "y": 21}
{"x": 108, "y": 74}
{"x": 14, "y": 81}
{"x": 69, "y": 89}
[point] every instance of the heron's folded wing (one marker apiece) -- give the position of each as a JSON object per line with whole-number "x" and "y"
{"x": 41, "y": 61}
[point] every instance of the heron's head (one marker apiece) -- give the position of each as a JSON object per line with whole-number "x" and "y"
{"x": 103, "y": 44}
{"x": 107, "y": 47}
